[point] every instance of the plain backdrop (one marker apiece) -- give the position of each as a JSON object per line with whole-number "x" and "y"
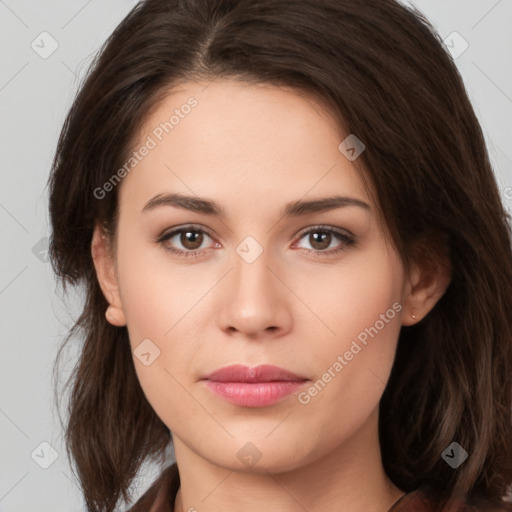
{"x": 36, "y": 90}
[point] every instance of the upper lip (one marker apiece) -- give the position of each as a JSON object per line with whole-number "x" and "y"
{"x": 262, "y": 373}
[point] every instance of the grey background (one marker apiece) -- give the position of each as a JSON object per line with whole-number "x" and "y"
{"x": 35, "y": 94}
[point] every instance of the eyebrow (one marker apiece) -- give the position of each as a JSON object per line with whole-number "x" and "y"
{"x": 292, "y": 209}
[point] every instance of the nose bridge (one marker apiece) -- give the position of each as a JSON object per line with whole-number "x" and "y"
{"x": 254, "y": 301}
{"x": 252, "y": 277}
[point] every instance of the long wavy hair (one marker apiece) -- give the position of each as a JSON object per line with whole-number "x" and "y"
{"x": 383, "y": 72}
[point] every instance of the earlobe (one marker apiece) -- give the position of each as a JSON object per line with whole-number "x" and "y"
{"x": 105, "y": 272}
{"x": 426, "y": 286}
{"x": 115, "y": 316}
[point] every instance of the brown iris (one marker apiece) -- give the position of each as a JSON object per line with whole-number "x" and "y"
{"x": 318, "y": 239}
{"x": 194, "y": 237}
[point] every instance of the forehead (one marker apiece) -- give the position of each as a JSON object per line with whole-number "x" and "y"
{"x": 248, "y": 141}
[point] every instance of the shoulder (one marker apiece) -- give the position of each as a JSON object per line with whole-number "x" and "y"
{"x": 419, "y": 501}
{"x": 161, "y": 494}
{"x": 480, "y": 505}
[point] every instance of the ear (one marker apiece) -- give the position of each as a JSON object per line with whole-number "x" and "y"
{"x": 104, "y": 263}
{"x": 427, "y": 284}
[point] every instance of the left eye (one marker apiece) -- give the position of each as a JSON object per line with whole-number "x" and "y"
{"x": 320, "y": 239}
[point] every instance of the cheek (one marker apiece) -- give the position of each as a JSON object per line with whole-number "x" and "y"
{"x": 353, "y": 359}
{"x": 357, "y": 297}
{"x": 156, "y": 296}
{"x": 155, "y": 307}
{"x": 164, "y": 313}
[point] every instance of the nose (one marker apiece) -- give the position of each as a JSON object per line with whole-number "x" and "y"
{"x": 255, "y": 301}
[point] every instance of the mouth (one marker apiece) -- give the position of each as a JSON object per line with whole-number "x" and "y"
{"x": 262, "y": 373}
{"x": 260, "y": 386}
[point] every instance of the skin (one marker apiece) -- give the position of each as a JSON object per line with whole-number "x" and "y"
{"x": 252, "y": 149}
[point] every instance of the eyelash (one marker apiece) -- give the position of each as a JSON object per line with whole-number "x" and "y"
{"x": 345, "y": 238}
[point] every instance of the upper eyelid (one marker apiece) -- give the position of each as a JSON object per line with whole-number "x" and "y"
{"x": 320, "y": 227}
{"x": 191, "y": 227}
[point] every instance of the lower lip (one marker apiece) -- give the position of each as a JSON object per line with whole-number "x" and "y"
{"x": 254, "y": 394}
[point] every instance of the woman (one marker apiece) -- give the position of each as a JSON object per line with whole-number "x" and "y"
{"x": 296, "y": 263}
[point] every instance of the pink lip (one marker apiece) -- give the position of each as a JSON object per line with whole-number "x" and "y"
{"x": 253, "y": 387}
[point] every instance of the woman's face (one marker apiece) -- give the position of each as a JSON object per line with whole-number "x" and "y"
{"x": 251, "y": 287}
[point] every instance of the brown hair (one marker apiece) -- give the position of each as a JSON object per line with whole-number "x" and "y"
{"x": 382, "y": 71}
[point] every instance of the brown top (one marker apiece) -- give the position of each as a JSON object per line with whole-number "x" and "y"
{"x": 161, "y": 496}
